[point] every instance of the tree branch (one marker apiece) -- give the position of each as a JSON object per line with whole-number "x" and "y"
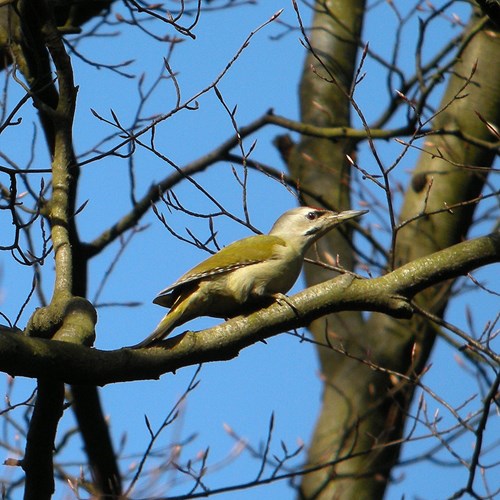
{"x": 37, "y": 461}
{"x": 389, "y": 294}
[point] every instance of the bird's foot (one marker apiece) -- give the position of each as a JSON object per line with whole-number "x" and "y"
{"x": 282, "y": 299}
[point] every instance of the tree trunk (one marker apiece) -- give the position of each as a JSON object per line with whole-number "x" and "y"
{"x": 363, "y": 409}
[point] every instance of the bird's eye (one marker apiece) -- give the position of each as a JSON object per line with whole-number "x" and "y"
{"x": 312, "y": 216}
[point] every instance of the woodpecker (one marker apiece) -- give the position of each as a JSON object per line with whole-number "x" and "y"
{"x": 247, "y": 273}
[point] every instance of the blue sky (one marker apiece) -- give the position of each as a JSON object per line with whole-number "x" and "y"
{"x": 279, "y": 378}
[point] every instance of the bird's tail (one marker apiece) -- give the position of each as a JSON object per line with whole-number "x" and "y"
{"x": 177, "y": 315}
{"x": 165, "y": 326}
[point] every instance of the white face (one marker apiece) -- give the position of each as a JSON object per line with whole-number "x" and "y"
{"x": 309, "y": 224}
{"x": 304, "y": 221}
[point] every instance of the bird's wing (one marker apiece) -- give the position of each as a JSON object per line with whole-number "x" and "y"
{"x": 255, "y": 249}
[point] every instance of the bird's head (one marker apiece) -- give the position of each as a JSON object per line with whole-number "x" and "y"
{"x": 302, "y": 226}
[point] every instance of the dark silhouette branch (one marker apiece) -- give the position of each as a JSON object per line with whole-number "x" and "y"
{"x": 38, "y": 461}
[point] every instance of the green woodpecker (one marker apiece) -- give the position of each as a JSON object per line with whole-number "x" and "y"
{"x": 247, "y": 273}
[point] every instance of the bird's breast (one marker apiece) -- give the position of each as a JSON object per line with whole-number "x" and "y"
{"x": 240, "y": 290}
{"x": 264, "y": 278}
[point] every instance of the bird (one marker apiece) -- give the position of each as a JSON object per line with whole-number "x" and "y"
{"x": 246, "y": 274}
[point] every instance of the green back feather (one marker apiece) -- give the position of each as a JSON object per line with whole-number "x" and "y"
{"x": 255, "y": 249}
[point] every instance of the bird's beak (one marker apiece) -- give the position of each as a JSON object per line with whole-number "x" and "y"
{"x": 333, "y": 219}
{"x": 349, "y": 214}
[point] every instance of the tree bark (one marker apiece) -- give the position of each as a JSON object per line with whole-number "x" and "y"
{"x": 363, "y": 410}
{"x": 31, "y": 30}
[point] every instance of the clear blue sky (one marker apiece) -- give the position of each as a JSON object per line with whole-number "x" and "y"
{"x": 281, "y": 377}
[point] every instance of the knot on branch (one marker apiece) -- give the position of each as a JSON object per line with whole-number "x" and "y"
{"x": 69, "y": 319}
{"x": 79, "y": 322}
{"x": 400, "y": 306}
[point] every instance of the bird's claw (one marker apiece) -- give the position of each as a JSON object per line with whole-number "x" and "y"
{"x": 282, "y": 299}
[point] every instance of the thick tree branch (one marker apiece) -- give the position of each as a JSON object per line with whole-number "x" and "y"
{"x": 38, "y": 462}
{"x": 389, "y": 294}
{"x": 68, "y": 317}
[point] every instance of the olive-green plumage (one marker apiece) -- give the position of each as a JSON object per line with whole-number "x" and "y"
{"x": 247, "y": 273}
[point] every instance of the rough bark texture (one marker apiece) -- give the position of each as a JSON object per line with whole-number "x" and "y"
{"x": 363, "y": 409}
